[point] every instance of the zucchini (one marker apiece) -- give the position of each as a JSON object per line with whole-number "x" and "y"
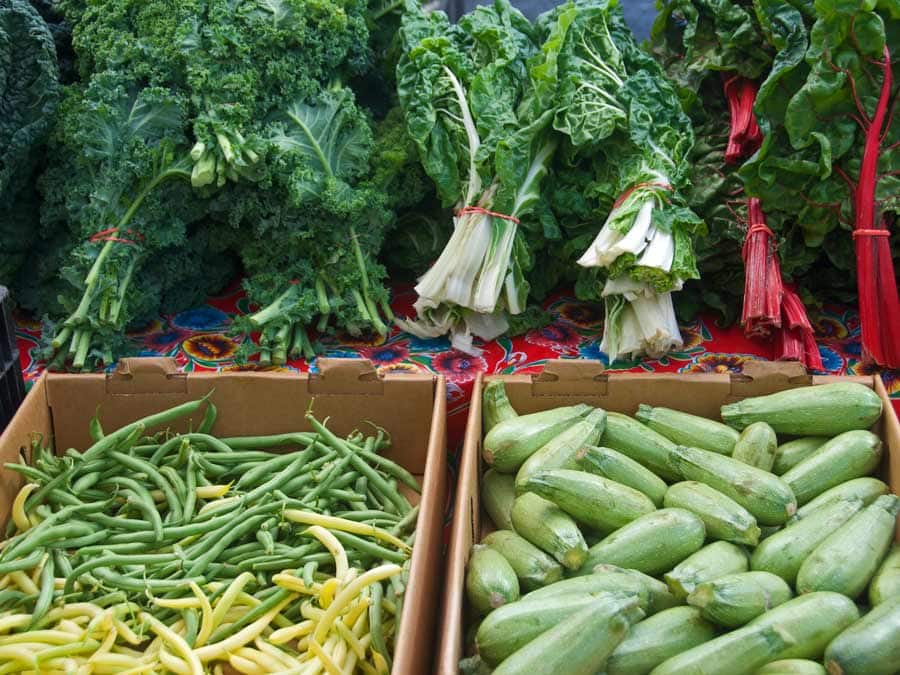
{"x": 532, "y": 566}
{"x": 639, "y": 442}
{"x": 548, "y": 527}
{"x": 784, "y": 552}
{"x": 822, "y": 410}
{"x": 511, "y": 442}
{"x": 490, "y": 580}
{"x": 658, "y": 638}
{"x": 848, "y": 558}
{"x": 579, "y": 644}
{"x": 658, "y": 595}
{"x": 736, "y": 599}
{"x": 613, "y": 580}
{"x": 723, "y": 517}
{"x": 792, "y": 667}
{"x": 757, "y": 446}
{"x": 871, "y": 646}
{"x": 498, "y": 491}
{"x": 652, "y": 544}
{"x": 560, "y": 451}
{"x": 790, "y": 454}
{"x": 740, "y": 652}
{"x": 474, "y": 665}
{"x": 768, "y": 530}
{"x": 512, "y": 626}
{"x": 851, "y": 455}
{"x": 768, "y": 498}
{"x": 591, "y": 500}
{"x": 710, "y": 562}
{"x": 867, "y": 489}
{"x": 495, "y": 406}
{"x": 685, "y": 429}
{"x": 812, "y": 620}
{"x": 613, "y": 465}
{"x": 886, "y": 582}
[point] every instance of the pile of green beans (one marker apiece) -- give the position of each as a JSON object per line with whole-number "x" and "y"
{"x": 143, "y": 512}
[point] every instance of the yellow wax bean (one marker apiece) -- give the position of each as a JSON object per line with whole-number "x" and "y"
{"x": 246, "y": 666}
{"x": 242, "y": 637}
{"x": 20, "y": 518}
{"x": 349, "y": 592}
{"x": 174, "y": 663}
{"x": 334, "y": 547}
{"x": 218, "y": 504}
{"x": 326, "y": 595}
{"x": 329, "y": 665}
{"x": 356, "y": 610}
{"x": 307, "y": 611}
{"x": 49, "y": 637}
{"x": 176, "y": 641}
{"x": 335, "y": 523}
{"x": 350, "y": 639}
{"x": 24, "y": 582}
{"x": 292, "y": 583}
{"x": 14, "y": 621}
{"x": 206, "y": 621}
{"x": 283, "y": 657}
{"x": 367, "y": 668}
{"x": 212, "y": 491}
{"x": 126, "y": 633}
{"x": 228, "y": 597}
{"x": 268, "y": 663}
{"x": 283, "y": 635}
{"x": 178, "y": 603}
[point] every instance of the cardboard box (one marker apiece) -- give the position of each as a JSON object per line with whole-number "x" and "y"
{"x": 411, "y": 407}
{"x": 567, "y": 382}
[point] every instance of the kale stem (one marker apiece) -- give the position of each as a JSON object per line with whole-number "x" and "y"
{"x": 322, "y": 325}
{"x": 361, "y": 305}
{"x": 271, "y": 311}
{"x": 84, "y": 343}
{"x": 322, "y": 296}
{"x": 297, "y": 342}
{"x": 61, "y": 337}
{"x": 76, "y": 339}
{"x": 279, "y": 350}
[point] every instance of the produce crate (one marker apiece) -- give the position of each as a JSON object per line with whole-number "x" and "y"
{"x": 412, "y": 408}
{"x": 12, "y": 387}
{"x": 568, "y": 382}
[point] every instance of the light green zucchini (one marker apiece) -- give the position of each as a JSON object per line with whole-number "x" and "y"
{"x": 812, "y": 621}
{"x": 511, "y": 442}
{"x": 867, "y": 489}
{"x": 560, "y": 451}
{"x": 474, "y": 665}
{"x": 652, "y": 544}
{"x": 640, "y": 443}
{"x": 793, "y": 452}
{"x": 757, "y": 446}
{"x": 532, "y": 566}
{"x": 659, "y": 597}
{"x": 768, "y": 498}
{"x": 853, "y": 454}
{"x": 613, "y": 465}
{"x": 658, "y": 638}
{"x": 495, "y": 406}
{"x": 792, "y": 667}
{"x": 823, "y": 410}
{"x": 784, "y": 552}
{"x": 490, "y": 580}
{"x": 710, "y": 562}
{"x": 848, "y": 558}
{"x": 886, "y": 582}
{"x": 723, "y": 517}
{"x": 692, "y": 430}
{"x": 608, "y": 581}
{"x": 740, "y": 652}
{"x": 736, "y": 599}
{"x": 591, "y": 500}
{"x": 498, "y": 491}
{"x": 548, "y": 527}
{"x": 871, "y": 646}
{"x": 512, "y": 626}
{"x": 577, "y": 645}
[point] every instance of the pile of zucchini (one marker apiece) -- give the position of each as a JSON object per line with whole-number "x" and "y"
{"x": 677, "y": 545}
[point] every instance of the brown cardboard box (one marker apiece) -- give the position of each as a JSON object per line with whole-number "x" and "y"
{"x": 411, "y": 407}
{"x": 569, "y": 382}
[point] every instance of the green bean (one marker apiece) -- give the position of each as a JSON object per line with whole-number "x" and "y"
{"x": 408, "y": 521}
{"x": 332, "y": 473}
{"x": 392, "y": 468}
{"x": 61, "y": 562}
{"x": 209, "y": 418}
{"x": 214, "y": 470}
{"x": 86, "y": 482}
{"x": 368, "y": 514}
{"x": 278, "y": 479}
{"x": 123, "y": 548}
{"x": 154, "y": 476}
{"x": 375, "y": 479}
{"x": 191, "y": 624}
{"x": 368, "y": 548}
{"x": 190, "y": 491}
{"x": 39, "y": 495}
{"x": 276, "y": 463}
{"x": 378, "y": 497}
{"x": 9, "y": 599}
{"x": 309, "y": 571}
{"x": 375, "y": 626}
{"x": 224, "y": 632}
{"x": 275, "y": 441}
{"x": 234, "y": 533}
{"x": 31, "y": 560}
{"x": 32, "y": 474}
{"x": 115, "y": 559}
{"x": 205, "y": 439}
{"x": 77, "y": 542}
{"x": 140, "y": 497}
{"x": 133, "y": 525}
{"x": 110, "y": 441}
{"x": 361, "y": 486}
{"x": 45, "y": 596}
{"x": 47, "y": 531}
{"x": 349, "y": 478}
{"x": 143, "y": 585}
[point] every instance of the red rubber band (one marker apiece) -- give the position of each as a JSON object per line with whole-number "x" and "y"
{"x": 625, "y": 195}
{"x": 870, "y": 233}
{"x": 477, "y": 209}
{"x": 107, "y": 235}
{"x": 756, "y": 228}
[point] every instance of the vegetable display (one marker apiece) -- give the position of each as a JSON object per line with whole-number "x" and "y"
{"x": 716, "y": 593}
{"x": 151, "y": 551}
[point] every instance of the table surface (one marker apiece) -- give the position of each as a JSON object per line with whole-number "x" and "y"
{"x": 198, "y": 340}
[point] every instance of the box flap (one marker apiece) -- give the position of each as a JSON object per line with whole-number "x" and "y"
{"x": 769, "y": 376}
{"x": 144, "y": 375}
{"x": 341, "y": 376}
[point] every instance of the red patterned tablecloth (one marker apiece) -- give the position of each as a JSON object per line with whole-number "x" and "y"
{"x": 198, "y": 340}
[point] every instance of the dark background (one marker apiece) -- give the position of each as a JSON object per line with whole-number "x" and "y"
{"x": 638, "y": 13}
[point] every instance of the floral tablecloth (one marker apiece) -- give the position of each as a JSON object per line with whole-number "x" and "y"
{"x": 198, "y": 340}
